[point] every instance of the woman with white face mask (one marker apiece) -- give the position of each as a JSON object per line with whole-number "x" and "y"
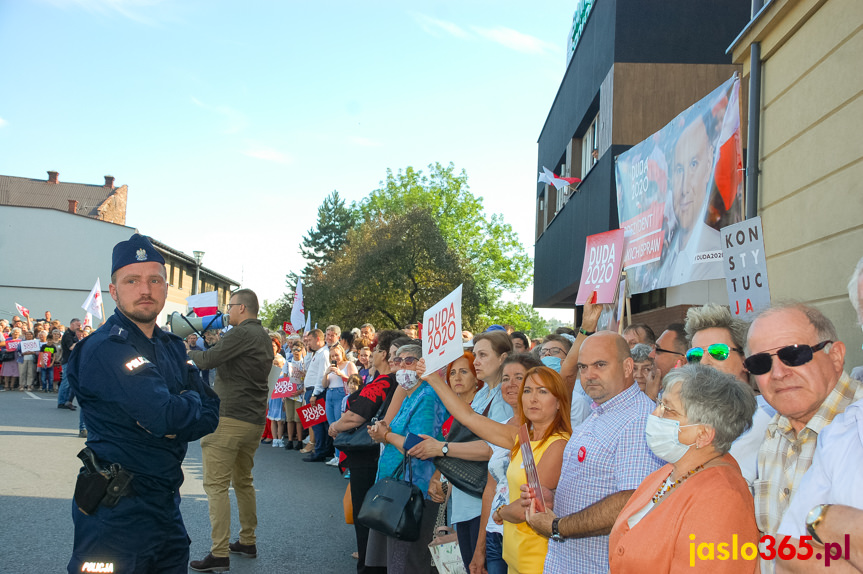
{"x": 700, "y": 496}
{"x": 421, "y": 413}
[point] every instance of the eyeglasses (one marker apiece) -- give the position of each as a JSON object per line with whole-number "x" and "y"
{"x": 663, "y": 409}
{"x": 406, "y": 360}
{"x": 551, "y": 351}
{"x": 792, "y": 355}
{"x": 659, "y": 350}
{"x": 229, "y": 305}
{"x": 718, "y": 351}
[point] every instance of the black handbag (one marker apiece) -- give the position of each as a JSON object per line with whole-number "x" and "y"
{"x": 358, "y": 440}
{"x": 6, "y": 356}
{"x": 394, "y": 507}
{"x": 469, "y": 476}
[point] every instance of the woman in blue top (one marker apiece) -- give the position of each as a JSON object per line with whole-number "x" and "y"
{"x": 421, "y": 412}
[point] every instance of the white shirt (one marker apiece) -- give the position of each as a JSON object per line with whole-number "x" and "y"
{"x": 315, "y": 370}
{"x": 834, "y": 477}
{"x": 745, "y": 448}
{"x": 579, "y": 407}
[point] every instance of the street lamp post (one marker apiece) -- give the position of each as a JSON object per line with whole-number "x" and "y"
{"x": 199, "y": 256}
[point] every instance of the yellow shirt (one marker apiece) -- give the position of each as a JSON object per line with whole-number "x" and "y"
{"x": 523, "y": 549}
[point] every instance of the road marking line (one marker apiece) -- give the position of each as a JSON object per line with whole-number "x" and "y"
{"x": 33, "y": 396}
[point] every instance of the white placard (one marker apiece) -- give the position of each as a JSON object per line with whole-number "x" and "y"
{"x": 442, "y": 332}
{"x": 31, "y": 346}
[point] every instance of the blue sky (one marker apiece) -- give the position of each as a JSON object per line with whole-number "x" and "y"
{"x": 231, "y": 121}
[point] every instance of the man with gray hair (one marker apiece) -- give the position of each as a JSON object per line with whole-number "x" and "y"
{"x": 798, "y": 363}
{"x": 332, "y": 336}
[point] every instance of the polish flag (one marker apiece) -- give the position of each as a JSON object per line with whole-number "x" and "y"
{"x": 204, "y": 304}
{"x": 728, "y": 173}
{"x": 23, "y": 310}
{"x": 558, "y": 182}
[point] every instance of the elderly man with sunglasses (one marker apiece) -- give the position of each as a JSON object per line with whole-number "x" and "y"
{"x": 798, "y": 363}
{"x": 716, "y": 339}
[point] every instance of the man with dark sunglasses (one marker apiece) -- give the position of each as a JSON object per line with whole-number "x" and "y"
{"x": 670, "y": 349}
{"x": 796, "y": 358}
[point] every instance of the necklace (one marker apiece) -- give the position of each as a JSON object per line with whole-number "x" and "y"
{"x": 667, "y": 486}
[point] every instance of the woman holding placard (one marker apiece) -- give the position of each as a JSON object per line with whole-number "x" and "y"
{"x": 544, "y": 405}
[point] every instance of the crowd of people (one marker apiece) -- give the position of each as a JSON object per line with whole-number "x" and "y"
{"x": 716, "y": 445}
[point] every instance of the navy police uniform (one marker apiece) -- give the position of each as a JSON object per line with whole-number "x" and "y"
{"x": 142, "y": 402}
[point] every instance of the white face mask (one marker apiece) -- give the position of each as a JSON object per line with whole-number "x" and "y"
{"x": 406, "y": 379}
{"x": 662, "y": 438}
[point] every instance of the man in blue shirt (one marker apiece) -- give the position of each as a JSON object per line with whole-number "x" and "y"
{"x": 142, "y": 402}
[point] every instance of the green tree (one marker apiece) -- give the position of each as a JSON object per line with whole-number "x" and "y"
{"x": 272, "y": 315}
{"x": 389, "y": 273}
{"x": 322, "y": 242}
{"x": 492, "y": 253}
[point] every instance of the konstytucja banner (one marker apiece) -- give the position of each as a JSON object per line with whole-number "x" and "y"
{"x": 677, "y": 188}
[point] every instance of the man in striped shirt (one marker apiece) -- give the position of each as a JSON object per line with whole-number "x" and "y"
{"x": 604, "y": 461}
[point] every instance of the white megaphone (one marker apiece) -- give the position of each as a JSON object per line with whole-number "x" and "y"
{"x": 183, "y": 326}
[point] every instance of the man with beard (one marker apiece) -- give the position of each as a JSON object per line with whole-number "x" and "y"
{"x": 142, "y": 403}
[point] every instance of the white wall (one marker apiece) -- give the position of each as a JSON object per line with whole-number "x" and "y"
{"x": 55, "y": 275}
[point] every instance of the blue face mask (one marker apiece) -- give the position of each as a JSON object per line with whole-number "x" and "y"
{"x": 552, "y": 363}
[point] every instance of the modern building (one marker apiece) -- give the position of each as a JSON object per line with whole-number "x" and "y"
{"x": 104, "y": 202}
{"x": 633, "y": 67}
{"x": 805, "y": 56}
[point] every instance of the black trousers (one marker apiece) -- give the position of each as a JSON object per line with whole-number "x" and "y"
{"x": 362, "y": 479}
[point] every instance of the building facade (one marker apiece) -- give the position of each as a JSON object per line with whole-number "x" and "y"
{"x": 635, "y": 66}
{"x": 810, "y": 152}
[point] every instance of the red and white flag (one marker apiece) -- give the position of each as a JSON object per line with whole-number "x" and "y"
{"x": 298, "y": 311}
{"x": 204, "y": 304}
{"x": 728, "y": 173}
{"x": 558, "y": 182}
{"x": 23, "y": 310}
{"x": 88, "y": 320}
{"x": 93, "y": 304}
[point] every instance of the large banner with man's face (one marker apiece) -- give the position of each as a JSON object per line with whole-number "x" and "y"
{"x": 677, "y": 188}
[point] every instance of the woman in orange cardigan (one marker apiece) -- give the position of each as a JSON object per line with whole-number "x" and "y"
{"x": 696, "y": 513}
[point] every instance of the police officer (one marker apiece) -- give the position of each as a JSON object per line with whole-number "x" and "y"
{"x": 142, "y": 401}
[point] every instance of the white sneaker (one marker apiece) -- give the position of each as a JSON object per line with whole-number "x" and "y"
{"x": 333, "y": 461}
{"x": 277, "y": 442}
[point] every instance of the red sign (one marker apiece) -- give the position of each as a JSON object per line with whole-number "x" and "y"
{"x": 288, "y": 328}
{"x": 603, "y": 255}
{"x": 43, "y": 360}
{"x": 12, "y": 344}
{"x": 285, "y": 388}
{"x": 312, "y": 415}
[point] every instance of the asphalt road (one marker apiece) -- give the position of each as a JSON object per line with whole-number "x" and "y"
{"x": 301, "y": 527}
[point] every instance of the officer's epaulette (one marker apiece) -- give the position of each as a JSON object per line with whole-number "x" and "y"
{"x": 118, "y": 333}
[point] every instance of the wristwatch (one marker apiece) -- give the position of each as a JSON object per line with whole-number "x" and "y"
{"x": 445, "y": 448}
{"x": 555, "y": 533}
{"x": 814, "y": 518}
{"x": 585, "y": 332}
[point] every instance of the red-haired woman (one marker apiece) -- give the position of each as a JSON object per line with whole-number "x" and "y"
{"x": 544, "y": 405}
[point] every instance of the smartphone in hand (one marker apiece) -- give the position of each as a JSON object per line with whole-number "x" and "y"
{"x": 412, "y": 440}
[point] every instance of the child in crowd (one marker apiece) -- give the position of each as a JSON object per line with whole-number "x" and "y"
{"x": 294, "y": 369}
{"x": 47, "y": 357}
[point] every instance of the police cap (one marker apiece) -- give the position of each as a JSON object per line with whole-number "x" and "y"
{"x": 137, "y": 249}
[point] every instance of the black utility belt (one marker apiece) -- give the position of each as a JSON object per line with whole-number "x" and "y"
{"x": 100, "y": 485}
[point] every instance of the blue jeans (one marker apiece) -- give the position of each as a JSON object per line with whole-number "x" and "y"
{"x": 63, "y": 392}
{"x": 46, "y": 374}
{"x": 334, "y": 405}
{"x": 494, "y": 562}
